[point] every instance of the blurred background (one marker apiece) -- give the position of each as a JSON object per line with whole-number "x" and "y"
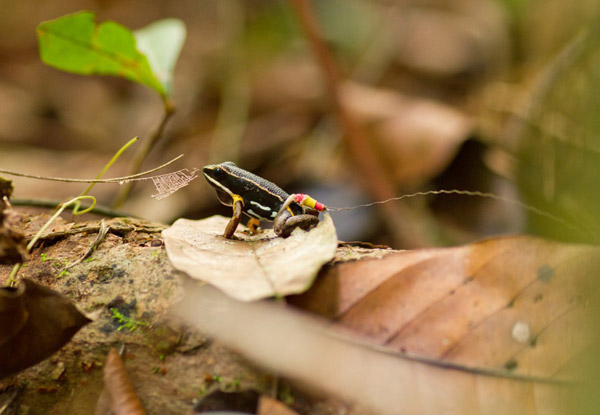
{"x": 495, "y": 96}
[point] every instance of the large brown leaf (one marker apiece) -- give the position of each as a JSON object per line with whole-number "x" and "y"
{"x": 502, "y": 326}
{"x": 417, "y": 137}
{"x": 513, "y": 303}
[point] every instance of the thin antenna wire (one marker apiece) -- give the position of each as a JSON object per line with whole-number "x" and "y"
{"x": 523, "y": 205}
{"x": 119, "y": 180}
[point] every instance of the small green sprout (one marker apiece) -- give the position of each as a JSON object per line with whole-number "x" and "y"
{"x": 126, "y": 322}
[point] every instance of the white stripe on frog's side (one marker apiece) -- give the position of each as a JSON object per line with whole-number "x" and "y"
{"x": 261, "y": 207}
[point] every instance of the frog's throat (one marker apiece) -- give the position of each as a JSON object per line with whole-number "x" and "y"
{"x": 220, "y": 186}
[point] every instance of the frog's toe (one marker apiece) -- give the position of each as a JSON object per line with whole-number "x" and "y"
{"x": 304, "y": 222}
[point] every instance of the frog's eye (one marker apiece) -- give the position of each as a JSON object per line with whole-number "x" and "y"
{"x": 219, "y": 173}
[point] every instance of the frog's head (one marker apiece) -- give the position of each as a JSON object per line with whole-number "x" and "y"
{"x": 219, "y": 177}
{"x": 216, "y": 173}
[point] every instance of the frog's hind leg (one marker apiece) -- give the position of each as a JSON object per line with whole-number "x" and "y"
{"x": 285, "y": 223}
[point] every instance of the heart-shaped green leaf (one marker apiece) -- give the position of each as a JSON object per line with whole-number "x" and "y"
{"x": 77, "y": 43}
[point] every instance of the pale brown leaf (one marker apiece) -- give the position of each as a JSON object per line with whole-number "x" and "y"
{"x": 250, "y": 267}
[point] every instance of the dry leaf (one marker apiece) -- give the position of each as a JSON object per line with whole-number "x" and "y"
{"x": 300, "y": 348}
{"x": 449, "y": 41}
{"x": 119, "y": 396}
{"x": 252, "y": 267}
{"x": 501, "y": 326}
{"x": 35, "y": 322}
{"x": 418, "y": 137}
{"x": 12, "y": 246}
{"x": 516, "y": 303}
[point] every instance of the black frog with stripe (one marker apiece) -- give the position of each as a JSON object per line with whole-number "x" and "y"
{"x": 262, "y": 199}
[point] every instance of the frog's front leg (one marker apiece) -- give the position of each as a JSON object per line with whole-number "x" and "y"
{"x": 285, "y": 223}
{"x": 237, "y": 204}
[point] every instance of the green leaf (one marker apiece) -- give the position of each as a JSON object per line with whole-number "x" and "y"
{"x": 161, "y": 42}
{"x": 77, "y": 43}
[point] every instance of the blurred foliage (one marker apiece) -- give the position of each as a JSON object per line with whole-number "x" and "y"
{"x": 434, "y": 75}
{"x": 272, "y": 29}
{"x": 470, "y": 94}
{"x": 559, "y": 148}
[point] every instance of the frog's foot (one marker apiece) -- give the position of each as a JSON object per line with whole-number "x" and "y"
{"x": 284, "y": 228}
{"x": 253, "y": 227}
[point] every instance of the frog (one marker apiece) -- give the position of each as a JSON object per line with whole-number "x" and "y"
{"x": 261, "y": 200}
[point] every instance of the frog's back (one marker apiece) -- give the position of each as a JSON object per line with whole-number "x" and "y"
{"x": 249, "y": 179}
{"x": 262, "y": 198}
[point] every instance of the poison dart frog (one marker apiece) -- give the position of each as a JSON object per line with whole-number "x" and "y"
{"x": 260, "y": 200}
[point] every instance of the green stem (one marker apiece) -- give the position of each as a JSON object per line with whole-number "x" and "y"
{"x": 12, "y": 281}
{"x": 140, "y": 156}
{"x": 110, "y": 163}
{"x": 98, "y": 209}
{"x": 60, "y": 210}
{"x": 106, "y": 167}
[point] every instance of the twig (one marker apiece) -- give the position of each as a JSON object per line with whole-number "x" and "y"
{"x": 101, "y": 234}
{"x": 12, "y": 281}
{"x": 98, "y": 210}
{"x": 376, "y": 180}
{"x": 140, "y": 156}
{"x": 116, "y": 228}
{"x": 132, "y": 177}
